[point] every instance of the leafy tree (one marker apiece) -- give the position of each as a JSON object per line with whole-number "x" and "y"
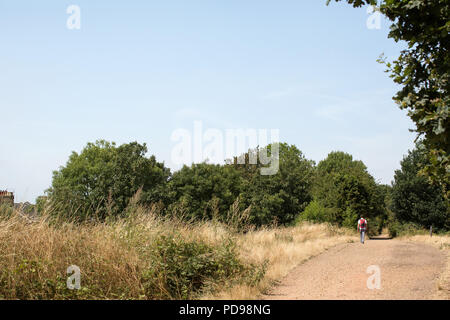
{"x": 280, "y": 197}
{"x": 382, "y": 197}
{"x": 317, "y": 213}
{"x": 344, "y": 190}
{"x": 414, "y": 199}
{"x": 204, "y": 190}
{"x": 422, "y": 70}
{"x": 102, "y": 179}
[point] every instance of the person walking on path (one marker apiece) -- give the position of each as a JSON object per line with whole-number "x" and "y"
{"x": 362, "y": 227}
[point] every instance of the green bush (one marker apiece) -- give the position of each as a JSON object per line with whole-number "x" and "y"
{"x": 397, "y": 229}
{"x": 6, "y": 211}
{"x": 375, "y": 226}
{"x": 181, "y": 269}
{"x": 350, "y": 218}
{"x": 414, "y": 199}
{"x": 29, "y": 284}
{"x": 315, "y": 212}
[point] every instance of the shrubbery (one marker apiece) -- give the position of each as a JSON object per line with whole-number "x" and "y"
{"x": 398, "y": 229}
{"x": 181, "y": 269}
{"x": 414, "y": 199}
{"x": 315, "y": 212}
{"x": 6, "y": 210}
{"x": 142, "y": 256}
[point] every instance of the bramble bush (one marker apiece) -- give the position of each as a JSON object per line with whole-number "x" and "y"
{"x": 182, "y": 269}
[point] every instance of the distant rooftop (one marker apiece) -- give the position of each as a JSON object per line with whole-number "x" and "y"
{"x": 6, "y": 193}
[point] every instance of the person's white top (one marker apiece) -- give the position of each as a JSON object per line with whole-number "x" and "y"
{"x": 360, "y": 222}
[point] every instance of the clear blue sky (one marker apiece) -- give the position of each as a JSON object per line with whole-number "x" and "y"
{"x": 138, "y": 70}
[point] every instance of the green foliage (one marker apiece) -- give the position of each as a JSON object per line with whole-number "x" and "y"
{"x": 280, "y": 197}
{"x": 344, "y": 190}
{"x": 102, "y": 178}
{"x": 180, "y": 269}
{"x": 6, "y": 211}
{"x": 101, "y": 181}
{"x": 414, "y": 199}
{"x": 316, "y": 212}
{"x": 398, "y": 229}
{"x": 209, "y": 191}
{"x": 28, "y": 283}
{"x": 357, "y": 3}
{"x": 349, "y": 217}
{"x": 205, "y": 190}
{"x": 423, "y": 72}
{"x": 376, "y": 226}
{"x": 41, "y": 204}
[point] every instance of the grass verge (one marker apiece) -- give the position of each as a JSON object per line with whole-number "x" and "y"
{"x": 146, "y": 256}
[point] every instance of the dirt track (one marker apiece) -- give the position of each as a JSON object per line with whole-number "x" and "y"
{"x": 408, "y": 271}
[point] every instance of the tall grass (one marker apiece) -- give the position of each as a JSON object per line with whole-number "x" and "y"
{"x": 143, "y": 255}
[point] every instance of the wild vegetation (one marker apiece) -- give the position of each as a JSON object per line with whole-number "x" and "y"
{"x": 415, "y": 203}
{"x": 343, "y": 190}
{"x": 138, "y": 231}
{"x": 98, "y": 184}
{"x": 145, "y": 255}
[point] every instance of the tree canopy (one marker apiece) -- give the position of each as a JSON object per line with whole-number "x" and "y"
{"x": 103, "y": 177}
{"x": 206, "y": 189}
{"x": 278, "y": 198}
{"x": 343, "y": 190}
{"x": 414, "y": 199}
{"x": 101, "y": 180}
{"x": 422, "y": 70}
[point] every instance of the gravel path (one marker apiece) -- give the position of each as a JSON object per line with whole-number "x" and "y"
{"x": 408, "y": 271}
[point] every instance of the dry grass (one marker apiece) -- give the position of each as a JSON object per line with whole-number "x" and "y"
{"x": 35, "y": 256}
{"x": 282, "y": 249}
{"x": 114, "y": 255}
{"x": 443, "y": 243}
